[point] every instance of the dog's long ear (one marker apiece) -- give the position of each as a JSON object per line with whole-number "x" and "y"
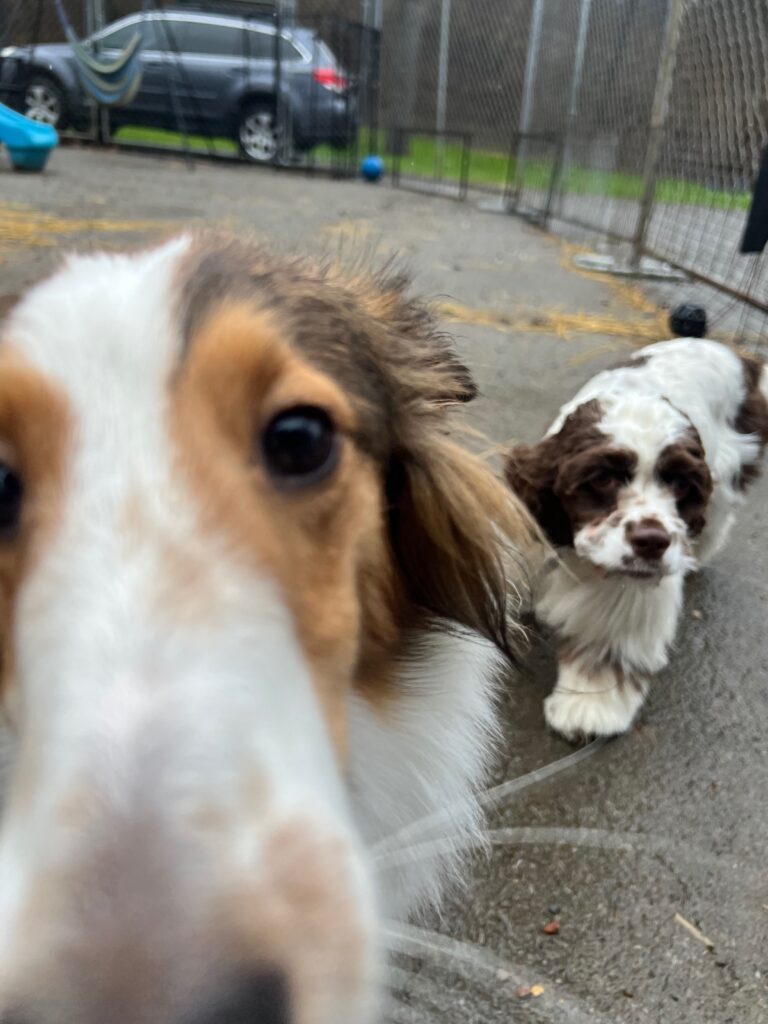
{"x": 531, "y": 471}
{"x": 465, "y": 546}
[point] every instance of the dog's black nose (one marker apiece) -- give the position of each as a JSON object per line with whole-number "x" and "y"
{"x": 261, "y": 998}
{"x": 649, "y": 542}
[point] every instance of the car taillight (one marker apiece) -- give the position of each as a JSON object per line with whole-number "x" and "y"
{"x": 330, "y": 79}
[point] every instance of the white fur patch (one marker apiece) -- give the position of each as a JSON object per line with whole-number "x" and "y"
{"x": 595, "y": 704}
{"x": 616, "y": 619}
{"x": 421, "y": 758}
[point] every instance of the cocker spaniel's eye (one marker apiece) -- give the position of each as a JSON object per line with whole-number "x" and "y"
{"x": 680, "y": 486}
{"x": 11, "y": 493}
{"x": 300, "y": 446}
{"x": 605, "y": 481}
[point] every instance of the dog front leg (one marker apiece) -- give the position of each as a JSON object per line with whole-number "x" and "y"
{"x": 593, "y": 700}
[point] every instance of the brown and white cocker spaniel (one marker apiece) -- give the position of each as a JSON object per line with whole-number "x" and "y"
{"x": 636, "y": 483}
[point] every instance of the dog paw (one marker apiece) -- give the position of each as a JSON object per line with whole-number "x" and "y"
{"x": 601, "y": 713}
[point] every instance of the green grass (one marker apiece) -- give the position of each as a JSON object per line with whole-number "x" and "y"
{"x": 670, "y": 190}
{"x": 486, "y": 169}
{"x": 490, "y": 169}
{"x": 615, "y": 185}
{"x": 159, "y": 137}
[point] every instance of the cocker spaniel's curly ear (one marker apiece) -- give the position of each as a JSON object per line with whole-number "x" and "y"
{"x": 531, "y": 472}
{"x": 466, "y": 548}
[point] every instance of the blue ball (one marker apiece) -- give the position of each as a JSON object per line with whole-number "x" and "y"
{"x": 372, "y": 168}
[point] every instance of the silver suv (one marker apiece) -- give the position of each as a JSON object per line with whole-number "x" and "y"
{"x": 211, "y": 74}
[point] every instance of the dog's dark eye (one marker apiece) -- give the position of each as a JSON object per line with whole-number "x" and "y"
{"x": 301, "y": 446}
{"x": 680, "y": 487}
{"x": 604, "y": 481}
{"x": 11, "y": 492}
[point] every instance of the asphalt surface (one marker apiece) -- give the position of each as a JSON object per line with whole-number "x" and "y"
{"x": 670, "y": 820}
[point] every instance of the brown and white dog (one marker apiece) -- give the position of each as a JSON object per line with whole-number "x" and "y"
{"x": 636, "y": 483}
{"x": 251, "y": 598}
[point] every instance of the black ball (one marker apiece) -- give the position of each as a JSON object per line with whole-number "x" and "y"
{"x": 688, "y": 321}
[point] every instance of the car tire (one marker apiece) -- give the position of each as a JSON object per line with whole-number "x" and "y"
{"x": 43, "y": 100}
{"x": 257, "y": 133}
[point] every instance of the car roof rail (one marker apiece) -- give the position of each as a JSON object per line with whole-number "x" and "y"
{"x": 241, "y": 8}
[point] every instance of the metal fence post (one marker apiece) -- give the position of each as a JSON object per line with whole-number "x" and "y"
{"x": 441, "y": 105}
{"x": 364, "y": 90}
{"x": 564, "y": 159}
{"x": 94, "y": 16}
{"x": 374, "y": 140}
{"x": 529, "y": 88}
{"x": 371, "y": 14}
{"x": 659, "y": 110}
{"x": 94, "y": 20}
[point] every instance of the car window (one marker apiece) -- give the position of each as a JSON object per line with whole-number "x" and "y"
{"x": 289, "y": 52}
{"x": 184, "y": 36}
{"x": 320, "y": 55}
{"x": 119, "y": 38}
{"x": 261, "y": 45}
{"x": 203, "y": 38}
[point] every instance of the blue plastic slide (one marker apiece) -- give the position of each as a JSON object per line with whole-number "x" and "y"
{"x": 28, "y": 142}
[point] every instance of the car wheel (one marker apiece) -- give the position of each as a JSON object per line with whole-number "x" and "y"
{"x": 257, "y": 133}
{"x": 44, "y": 101}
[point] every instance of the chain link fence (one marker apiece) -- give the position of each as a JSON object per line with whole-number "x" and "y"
{"x": 716, "y": 129}
{"x": 643, "y": 120}
{"x": 452, "y": 69}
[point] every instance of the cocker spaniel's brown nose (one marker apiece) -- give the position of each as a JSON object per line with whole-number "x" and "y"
{"x": 648, "y": 541}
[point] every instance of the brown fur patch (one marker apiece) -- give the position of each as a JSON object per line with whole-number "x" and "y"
{"x": 570, "y": 652}
{"x": 572, "y": 477}
{"x": 35, "y": 437}
{"x": 593, "y": 667}
{"x": 7, "y": 302}
{"x": 752, "y": 417}
{"x": 364, "y": 327}
{"x": 683, "y": 467}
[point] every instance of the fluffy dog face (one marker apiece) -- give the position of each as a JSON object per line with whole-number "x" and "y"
{"x": 226, "y": 497}
{"x": 624, "y": 482}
